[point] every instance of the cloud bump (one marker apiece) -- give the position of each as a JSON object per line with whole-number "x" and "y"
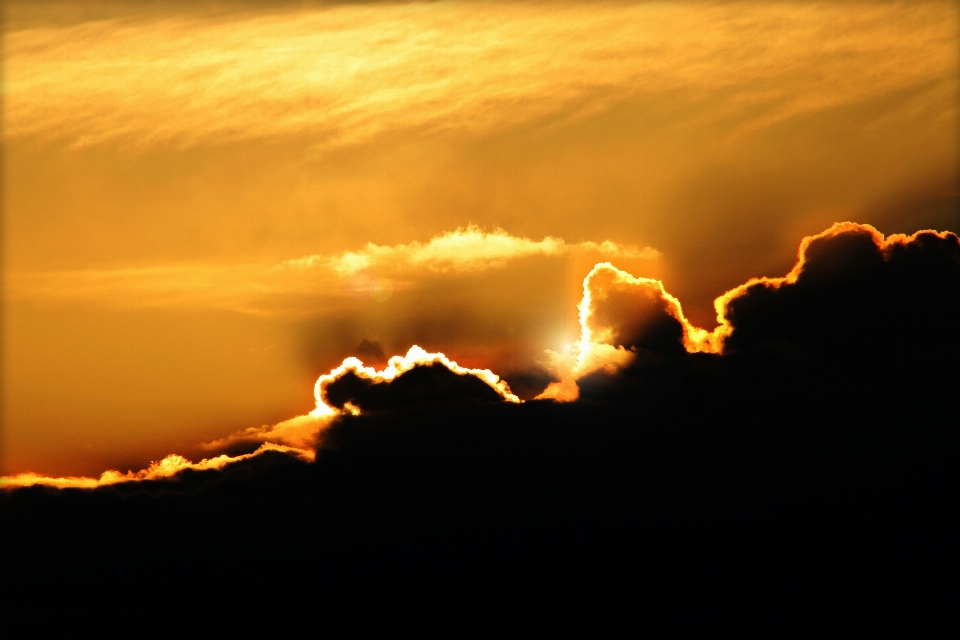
{"x": 848, "y": 276}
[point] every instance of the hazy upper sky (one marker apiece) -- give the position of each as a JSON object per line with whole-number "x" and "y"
{"x": 207, "y": 205}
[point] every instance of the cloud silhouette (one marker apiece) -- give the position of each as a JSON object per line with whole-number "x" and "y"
{"x": 816, "y": 438}
{"x": 853, "y": 290}
{"x": 423, "y": 383}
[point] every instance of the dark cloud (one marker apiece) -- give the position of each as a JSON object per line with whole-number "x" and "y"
{"x": 371, "y": 350}
{"x": 421, "y": 384}
{"x": 634, "y": 315}
{"x": 811, "y": 467}
{"x": 135, "y": 557}
{"x": 529, "y": 383}
{"x": 856, "y": 293}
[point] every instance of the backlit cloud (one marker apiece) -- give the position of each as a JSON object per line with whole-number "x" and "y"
{"x": 303, "y": 431}
{"x": 169, "y": 467}
{"x": 852, "y": 292}
{"x": 848, "y": 290}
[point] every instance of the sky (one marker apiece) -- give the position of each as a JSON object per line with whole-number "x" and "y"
{"x": 207, "y": 206}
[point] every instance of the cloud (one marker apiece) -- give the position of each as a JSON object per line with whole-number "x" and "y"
{"x": 415, "y": 378}
{"x": 294, "y": 285}
{"x": 344, "y": 74}
{"x": 463, "y": 250}
{"x": 167, "y": 468}
{"x": 414, "y": 374}
{"x": 352, "y": 387}
{"x": 619, "y": 314}
{"x": 851, "y": 289}
{"x": 424, "y": 383}
{"x": 371, "y": 349}
{"x": 818, "y": 439}
{"x": 299, "y": 432}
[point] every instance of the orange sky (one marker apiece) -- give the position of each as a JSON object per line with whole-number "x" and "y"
{"x": 206, "y": 208}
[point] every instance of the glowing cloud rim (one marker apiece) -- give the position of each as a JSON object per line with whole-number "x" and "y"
{"x": 297, "y": 435}
{"x": 594, "y": 354}
{"x": 166, "y": 468}
{"x": 397, "y": 365}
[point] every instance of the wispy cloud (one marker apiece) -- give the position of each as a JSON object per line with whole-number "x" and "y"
{"x": 343, "y": 74}
{"x": 283, "y": 288}
{"x": 470, "y": 249}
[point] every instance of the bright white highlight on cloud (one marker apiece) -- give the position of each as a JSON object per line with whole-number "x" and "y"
{"x": 303, "y": 431}
{"x": 297, "y": 436}
{"x": 397, "y": 365}
{"x": 470, "y": 249}
{"x": 166, "y": 468}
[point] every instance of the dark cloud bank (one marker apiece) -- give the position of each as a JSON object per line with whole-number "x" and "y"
{"x": 804, "y": 482}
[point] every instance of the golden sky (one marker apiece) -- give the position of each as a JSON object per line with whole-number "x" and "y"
{"x": 206, "y": 206}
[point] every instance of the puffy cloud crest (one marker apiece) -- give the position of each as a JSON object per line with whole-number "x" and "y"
{"x": 304, "y": 431}
{"x": 608, "y": 342}
{"x": 396, "y": 366}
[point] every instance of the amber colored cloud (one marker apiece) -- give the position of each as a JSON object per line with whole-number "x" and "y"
{"x": 253, "y": 288}
{"x": 297, "y": 436}
{"x": 852, "y": 291}
{"x": 343, "y": 74}
{"x": 469, "y": 249}
{"x": 166, "y": 468}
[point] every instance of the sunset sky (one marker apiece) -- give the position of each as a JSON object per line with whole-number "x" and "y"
{"x": 206, "y": 206}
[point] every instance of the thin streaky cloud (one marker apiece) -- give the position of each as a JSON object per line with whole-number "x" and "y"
{"x": 343, "y": 74}
{"x": 256, "y": 288}
{"x": 469, "y": 249}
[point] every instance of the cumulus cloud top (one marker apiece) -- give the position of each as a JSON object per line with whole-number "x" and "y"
{"x": 850, "y": 286}
{"x": 851, "y": 289}
{"x": 396, "y": 367}
{"x": 853, "y": 292}
{"x": 416, "y": 377}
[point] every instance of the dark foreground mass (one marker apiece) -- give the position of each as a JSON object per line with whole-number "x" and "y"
{"x": 805, "y": 483}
